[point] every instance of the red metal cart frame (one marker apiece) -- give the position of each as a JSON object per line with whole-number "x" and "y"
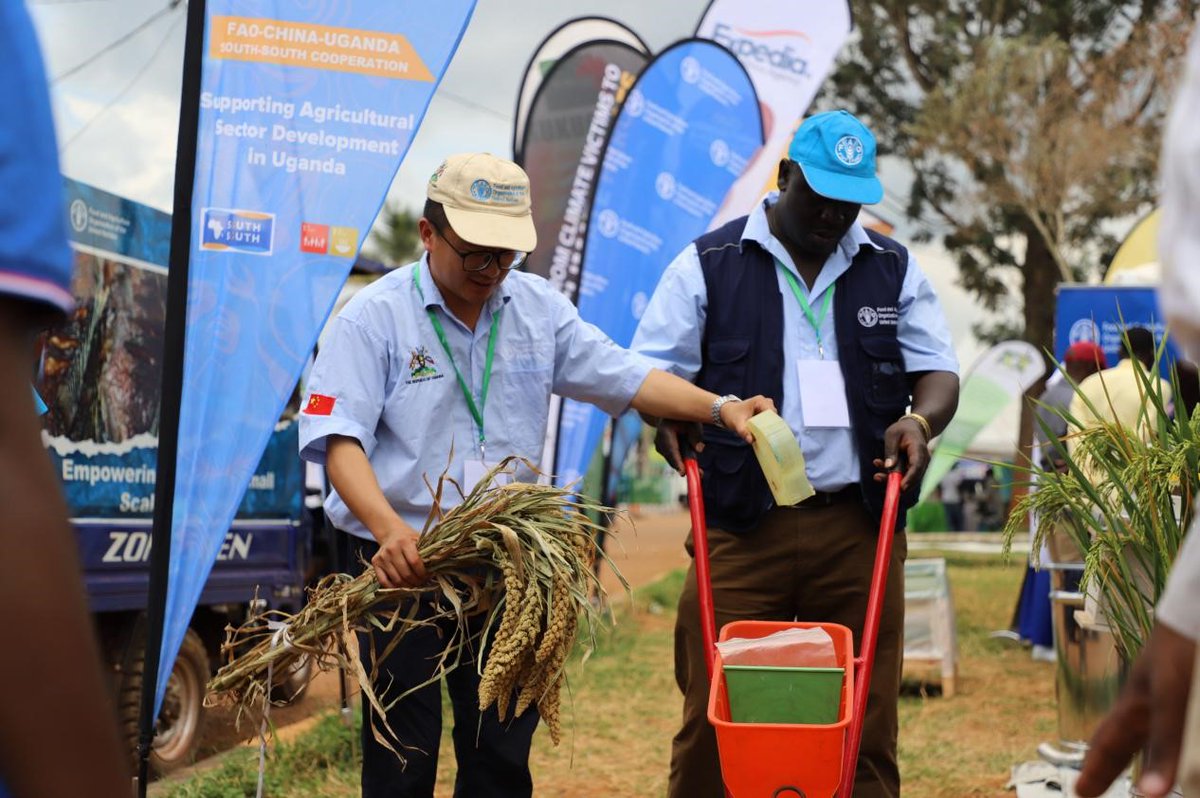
{"x": 847, "y": 734}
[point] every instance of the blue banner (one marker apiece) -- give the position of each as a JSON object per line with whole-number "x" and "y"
{"x": 685, "y": 133}
{"x": 1098, "y": 313}
{"x": 306, "y": 110}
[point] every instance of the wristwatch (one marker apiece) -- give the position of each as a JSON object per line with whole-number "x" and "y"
{"x": 718, "y": 404}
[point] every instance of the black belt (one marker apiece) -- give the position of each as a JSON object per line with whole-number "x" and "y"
{"x": 850, "y": 493}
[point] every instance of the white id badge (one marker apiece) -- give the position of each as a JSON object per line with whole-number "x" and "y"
{"x": 475, "y": 470}
{"x": 822, "y": 394}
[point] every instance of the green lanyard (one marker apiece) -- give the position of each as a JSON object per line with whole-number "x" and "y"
{"x": 476, "y": 410}
{"x": 813, "y": 319}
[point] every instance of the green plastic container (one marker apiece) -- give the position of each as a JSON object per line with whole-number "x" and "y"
{"x": 767, "y": 694}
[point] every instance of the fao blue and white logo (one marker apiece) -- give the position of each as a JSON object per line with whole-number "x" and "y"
{"x": 609, "y": 223}
{"x": 665, "y": 185}
{"x": 867, "y": 316}
{"x": 849, "y": 150}
{"x": 638, "y": 304}
{"x": 481, "y": 190}
{"x": 79, "y": 215}
{"x": 719, "y": 152}
{"x": 1084, "y": 330}
{"x": 635, "y": 103}
{"x": 689, "y": 70}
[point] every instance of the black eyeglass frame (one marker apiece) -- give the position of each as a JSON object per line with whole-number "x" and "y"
{"x": 488, "y": 257}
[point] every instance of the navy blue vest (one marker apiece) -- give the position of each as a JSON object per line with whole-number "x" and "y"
{"x": 742, "y": 354}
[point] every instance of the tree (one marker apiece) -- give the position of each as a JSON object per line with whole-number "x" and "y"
{"x": 1032, "y": 128}
{"x": 394, "y": 239}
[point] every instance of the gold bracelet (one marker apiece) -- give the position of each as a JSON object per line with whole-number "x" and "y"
{"x": 923, "y": 423}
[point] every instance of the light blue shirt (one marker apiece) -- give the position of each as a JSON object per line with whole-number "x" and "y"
{"x": 409, "y": 412}
{"x": 672, "y": 328}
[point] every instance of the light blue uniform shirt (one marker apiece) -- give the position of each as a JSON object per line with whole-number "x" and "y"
{"x": 409, "y": 412}
{"x": 672, "y": 328}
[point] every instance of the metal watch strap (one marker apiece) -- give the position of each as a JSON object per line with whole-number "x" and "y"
{"x": 718, "y": 404}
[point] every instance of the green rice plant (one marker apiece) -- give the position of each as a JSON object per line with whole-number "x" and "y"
{"x": 1125, "y": 498}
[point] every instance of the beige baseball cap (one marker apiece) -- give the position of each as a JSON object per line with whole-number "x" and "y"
{"x": 486, "y": 200}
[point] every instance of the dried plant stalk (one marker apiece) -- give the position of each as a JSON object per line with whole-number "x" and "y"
{"x": 521, "y": 552}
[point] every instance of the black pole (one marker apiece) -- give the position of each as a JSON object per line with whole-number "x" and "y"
{"x": 172, "y": 379}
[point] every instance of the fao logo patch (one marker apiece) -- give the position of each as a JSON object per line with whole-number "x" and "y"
{"x": 609, "y": 223}
{"x": 79, "y": 215}
{"x": 665, "y": 185}
{"x": 867, "y": 317}
{"x": 849, "y": 150}
{"x": 481, "y": 190}
{"x": 1084, "y": 330}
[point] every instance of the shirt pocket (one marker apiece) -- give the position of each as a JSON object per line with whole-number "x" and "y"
{"x": 887, "y": 380}
{"x": 728, "y": 366}
{"x": 526, "y": 379}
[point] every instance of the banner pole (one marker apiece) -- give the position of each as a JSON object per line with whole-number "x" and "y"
{"x": 172, "y": 380}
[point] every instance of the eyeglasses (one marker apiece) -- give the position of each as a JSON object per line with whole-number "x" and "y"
{"x": 478, "y": 260}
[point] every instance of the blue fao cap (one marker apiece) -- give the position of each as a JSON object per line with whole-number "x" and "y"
{"x": 836, "y": 152}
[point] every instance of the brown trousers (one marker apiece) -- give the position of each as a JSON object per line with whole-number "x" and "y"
{"x": 804, "y": 564}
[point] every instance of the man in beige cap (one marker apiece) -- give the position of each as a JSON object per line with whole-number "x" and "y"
{"x": 448, "y": 364}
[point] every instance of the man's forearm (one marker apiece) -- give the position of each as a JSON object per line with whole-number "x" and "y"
{"x": 351, "y": 474}
{"x": 935, "y": 398}
{"x": 663, "y": 395}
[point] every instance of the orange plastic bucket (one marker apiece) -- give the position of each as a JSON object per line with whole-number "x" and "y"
{"x": 776, "y": 760}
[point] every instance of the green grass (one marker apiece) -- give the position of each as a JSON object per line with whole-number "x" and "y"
{"x": 624, "y": 707}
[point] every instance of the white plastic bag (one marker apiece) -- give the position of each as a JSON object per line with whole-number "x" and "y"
{"x": 795, "y": 648}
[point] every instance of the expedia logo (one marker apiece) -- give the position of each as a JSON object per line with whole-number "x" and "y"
{"x": 748, "y": 47}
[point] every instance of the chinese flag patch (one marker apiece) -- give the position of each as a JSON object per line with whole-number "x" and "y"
{"x": 319, "y": 405}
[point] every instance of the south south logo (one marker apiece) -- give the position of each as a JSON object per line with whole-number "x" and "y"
{"x": 422, "y": 367}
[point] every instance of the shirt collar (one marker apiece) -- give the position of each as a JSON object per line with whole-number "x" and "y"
{"x": 759, "y": 231}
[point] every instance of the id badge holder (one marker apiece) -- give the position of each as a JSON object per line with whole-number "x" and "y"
{"x": 823, "y": 394}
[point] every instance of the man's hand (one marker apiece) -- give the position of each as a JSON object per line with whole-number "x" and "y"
{"x": 397, "y": 563}
{"x": 666, "y": 441}
{"x": 904, "y": 437}
{"x": 1148, "y": 715}
{"x": 734, "y": 415}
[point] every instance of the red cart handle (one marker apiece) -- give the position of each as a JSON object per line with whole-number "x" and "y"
{"x": 708, "y": 618}
{"x": 864, "y": 663}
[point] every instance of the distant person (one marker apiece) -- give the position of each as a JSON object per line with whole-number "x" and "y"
{"x": 1082, "y": 360}
{"x": 840, "y": 326}
{"x": 951, "y": 490}
{"x": 1117, "y": 394}
{"x": 448, "y": 365}
{"x": 1159, "y": 708}
{"x": 58, "y": 733}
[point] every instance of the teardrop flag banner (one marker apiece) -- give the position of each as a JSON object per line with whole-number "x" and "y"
{"x": 788, "y": 47}
{"x": 306, "y": 109}
{"x": 688, "y": 128}
{"x": 558, "y": 42}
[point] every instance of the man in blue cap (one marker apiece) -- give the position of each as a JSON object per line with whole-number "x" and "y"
{"x": 799, "y": 302}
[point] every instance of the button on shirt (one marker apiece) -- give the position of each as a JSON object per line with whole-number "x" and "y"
{"x": 672, "y": 328}
{"x": 385, "y": 380}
